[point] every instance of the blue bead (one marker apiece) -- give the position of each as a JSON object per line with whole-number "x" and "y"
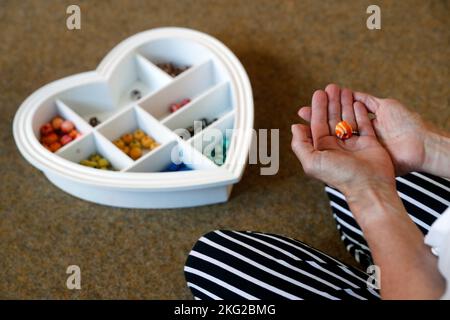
{"x": 184, "y": 167}
{"x": 176, "y": 167}
{"x": 171, "y": 167}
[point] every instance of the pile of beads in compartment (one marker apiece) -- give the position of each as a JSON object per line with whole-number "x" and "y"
{"x": 220, "y": 157}
{"x": 172, "y": 69}
{"x": 57, "y": 133}
{"x": 198, "y": 125}
{"x": 176, "y": 167}
{"x": 175, "y": 106}
{"x": 132, "y": 144}
{"x": 96, "y": 161}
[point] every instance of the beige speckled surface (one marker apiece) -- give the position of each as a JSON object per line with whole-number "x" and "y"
{"x": 289, "y": 48}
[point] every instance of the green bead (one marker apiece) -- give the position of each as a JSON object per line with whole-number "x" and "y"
{"x": 88, "y": 163}
{"x": 103, "y": 163}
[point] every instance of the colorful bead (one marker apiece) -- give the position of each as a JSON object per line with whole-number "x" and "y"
{"x": 147, "y": 142}
{"x": 67, "y": 126}
{"x": 119, "y": 143}
{"x": 97, "y": 161}
{"x": 135, "y": 153}
{"x": 50, "y": 138}
{"x": 220, "y": 156}
{"x": 133, "y": 143}
{"x": 46, "y": 129}
{"x": 88, "y": 163}
{"x": 204, "y": 123}
{"x": 57, "y": 132}
{"x": 126, "y": 149}
{"x": 138, "y": 134}
{"x": 65, "y": 139}
{"x": 74, "y": 134}
{"x": 127, "y": 138}
{"x": 55, "y": 146}
{"x": 103, "y": 163}
{"x": 176, "y": 167}
{"x": 343, "y": 130}
{"x": 57, "y": 122}
{"x": 172, "y": 69}
{"x": 175, "y": 106}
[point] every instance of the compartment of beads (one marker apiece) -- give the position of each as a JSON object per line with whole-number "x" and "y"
{"x": 201, "y": 113}
{"x": 132, "y": 80}
{"x": 153, "y": 122}
{"x": 214, "y": 142}
{"x": 92, "y": 145}
{"x": 134, "y": 129}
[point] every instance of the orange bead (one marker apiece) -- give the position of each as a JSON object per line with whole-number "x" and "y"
{"x": 56, "y": 122}
{"x": 50, "y": 138}
{"x": 127, "y": 138}
{"x": 55, "y": 146}
{"x": 135, "y": 153}
{"x": 73, "y": 134}
{"x": 343, "y": 130}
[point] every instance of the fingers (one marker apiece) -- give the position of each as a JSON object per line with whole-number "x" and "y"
{"x": 319, "y": 116}
{"x": 327, "y": 107}
{"x": 305, "y": 113}
{"x": 372, "y": 103}
{"x": 334, "y": 105}
{"x": 362, "y": 118}
{"x": 302, "y": 143}
{"x": 347, "y": 107}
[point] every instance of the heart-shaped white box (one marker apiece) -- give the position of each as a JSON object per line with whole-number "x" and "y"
{"x": 217, "y": 85}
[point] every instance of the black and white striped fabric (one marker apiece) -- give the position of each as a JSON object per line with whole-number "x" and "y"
{"x": 253, "y": 265}
{"x": 424, "y": 196}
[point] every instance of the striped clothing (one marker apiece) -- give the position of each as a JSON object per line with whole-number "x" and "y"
{"x": 253, "y": 265}
{"x": 424, "y": 196}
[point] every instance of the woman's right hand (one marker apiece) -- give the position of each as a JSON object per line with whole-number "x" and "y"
{"x": 412, "y": 144}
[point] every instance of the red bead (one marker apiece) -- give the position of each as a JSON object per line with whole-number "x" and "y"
{"x": 174, "y": 107}
{"x": 49, "y": 139}
{"x": 46, "y": 129}
{"x": 65, "y": 139}
{"x": 185, "y": 101}
{"x": 67, "y": 126}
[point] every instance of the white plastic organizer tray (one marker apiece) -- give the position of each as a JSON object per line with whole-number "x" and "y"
{"x": 128, "y": 91}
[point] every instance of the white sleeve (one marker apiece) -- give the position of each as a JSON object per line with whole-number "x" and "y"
{"x": 439, "y": 239}
{"x": 444, "y": 265}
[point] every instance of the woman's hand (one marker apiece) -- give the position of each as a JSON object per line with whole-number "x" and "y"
{"x": 351, "y": 165}
{"x": 362, "y": 169}
{"x": 401, "y": 131}
{"x": 412, "y": 144}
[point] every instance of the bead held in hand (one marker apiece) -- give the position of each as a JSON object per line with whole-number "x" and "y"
{"x": 344, "y": 130}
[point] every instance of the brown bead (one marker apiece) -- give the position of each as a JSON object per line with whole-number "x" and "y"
{"x": 135, "y": 153}
{"x": 127, "y": 138}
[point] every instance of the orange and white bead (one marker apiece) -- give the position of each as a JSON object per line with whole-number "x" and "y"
{"x": 343, "y": 130}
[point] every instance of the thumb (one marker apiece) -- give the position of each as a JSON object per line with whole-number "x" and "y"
{"x": 372, "y": 103}
{"x": 302, "y": 144}
{"x": 305, "y": 113}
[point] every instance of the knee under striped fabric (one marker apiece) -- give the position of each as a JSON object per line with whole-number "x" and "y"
{"x": 252, "y": 265}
